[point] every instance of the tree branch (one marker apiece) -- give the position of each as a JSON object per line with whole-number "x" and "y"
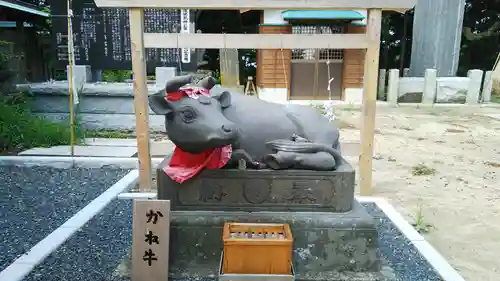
{"x": 469, "y": 35}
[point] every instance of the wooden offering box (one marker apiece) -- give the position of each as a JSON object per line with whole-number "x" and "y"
{"x": 257, "y": 248}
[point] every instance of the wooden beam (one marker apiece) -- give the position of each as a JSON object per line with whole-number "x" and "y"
{"x": 136, "y": 19}
{"x": 259, "y": 4}
{"x": 255, "y": 41}
{"x": 373, "y": 28}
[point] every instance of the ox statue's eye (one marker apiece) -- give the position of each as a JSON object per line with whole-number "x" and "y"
{"x": 188, "y": 115}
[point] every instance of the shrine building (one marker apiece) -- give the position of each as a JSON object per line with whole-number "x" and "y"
{"x": 304, "y": 74}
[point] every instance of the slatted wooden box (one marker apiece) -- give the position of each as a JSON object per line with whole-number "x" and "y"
{"x": 257, "y": 248}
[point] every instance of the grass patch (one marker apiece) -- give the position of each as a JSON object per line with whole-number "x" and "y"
{"x": 453, "y": 130}
{"x": 492, "y": 164}
{"x": 20, "y": 129}
{"x": 420, "y": 225}
{"x": 108, "y": 134}
{"x": 423, "y": 170}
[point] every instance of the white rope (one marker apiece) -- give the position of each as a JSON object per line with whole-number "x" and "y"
{"x": 179, "y": 55}
{"x": 283, "y": 63}
{"x": 226, "y": 63}
{"x": 330, "y": 79}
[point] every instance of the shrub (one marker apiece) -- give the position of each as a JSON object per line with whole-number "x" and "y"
{"x": 20, "y": 129}
{"x": 116, "y": 75}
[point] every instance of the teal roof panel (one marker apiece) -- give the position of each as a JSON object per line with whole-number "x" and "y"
{"x": 322, "y": 14}
{"x": 23, "y": 8}
{"x": 12, "y": 24}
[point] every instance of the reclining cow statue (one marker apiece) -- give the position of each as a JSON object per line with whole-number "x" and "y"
{"x": 202, "y": 116}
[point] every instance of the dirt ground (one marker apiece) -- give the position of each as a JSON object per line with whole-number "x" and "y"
{"x": 443, "y": 163}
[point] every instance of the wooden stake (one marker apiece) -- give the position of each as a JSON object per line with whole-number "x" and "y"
{"x": 136, "y": 18}
{"x": 250, "y": 88}
{"x": 369, "y": 101}
{"x": 71, "y": 61}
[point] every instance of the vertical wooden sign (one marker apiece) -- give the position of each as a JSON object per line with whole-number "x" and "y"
{"x": 185, "y": 28}
{"x": 150, "y": 240}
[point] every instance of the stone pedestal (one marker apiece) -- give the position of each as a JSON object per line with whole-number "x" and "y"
{"x": 324, "y": 242}
{"x": 261, "y": 190}
{"x": 334, "y": 237}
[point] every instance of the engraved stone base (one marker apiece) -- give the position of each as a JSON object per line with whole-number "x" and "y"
{"x": 261, "y": 190}
{"x": 323, "y": 242}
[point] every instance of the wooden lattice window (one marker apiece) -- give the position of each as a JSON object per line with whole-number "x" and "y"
{"x": 317, "y": 54}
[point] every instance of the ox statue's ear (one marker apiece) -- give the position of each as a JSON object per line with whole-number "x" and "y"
{"x": 224, "y": 99}
{"x": 159, "y": 104}
{"x": 207, "y": 82}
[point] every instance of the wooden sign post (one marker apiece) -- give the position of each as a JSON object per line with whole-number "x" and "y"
{"x": 150, "y": 240}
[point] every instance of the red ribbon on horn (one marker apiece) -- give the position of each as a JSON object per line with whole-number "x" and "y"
{"x": 192, "y": 92}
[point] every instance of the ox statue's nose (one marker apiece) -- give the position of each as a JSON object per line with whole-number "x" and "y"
{"x": 228, "y": 129}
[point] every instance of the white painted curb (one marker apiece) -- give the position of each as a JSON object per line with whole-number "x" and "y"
{"x": 62, "y": 162}
{"x": 436, "y": 260}
{"x": 21, "y": 267}
{"x": 137, "y": 195}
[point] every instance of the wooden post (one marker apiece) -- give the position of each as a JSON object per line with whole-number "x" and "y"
{"x": 369, "y": 101}
{"x": 136, "y": 18}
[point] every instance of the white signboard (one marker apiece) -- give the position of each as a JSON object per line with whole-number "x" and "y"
{"x": 185, "y": 27}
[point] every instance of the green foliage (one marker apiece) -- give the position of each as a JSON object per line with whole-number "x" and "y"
{"x": 216, "y": 75}
{"x": 423, "y": 170}
{"x": 47, "y": 9}
{"x": 495, "y": 96}
{"x": 420, "y": 225}
{"x": 6, "y": 75}
{"x": 108, "y": 134}
{"x": 20, "y": 129}
{"x": 116, "y": 75}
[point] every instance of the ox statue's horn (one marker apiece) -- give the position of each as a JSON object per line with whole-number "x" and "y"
{"x": 207, "y": 82}
{"x": 174, "y": 84}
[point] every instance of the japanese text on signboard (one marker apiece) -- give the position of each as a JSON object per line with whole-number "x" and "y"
{"x": 185, "y": 28}
{"x": 151, "y": 238}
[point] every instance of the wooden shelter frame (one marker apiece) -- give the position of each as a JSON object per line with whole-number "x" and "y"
{"x": 369, "y": 41}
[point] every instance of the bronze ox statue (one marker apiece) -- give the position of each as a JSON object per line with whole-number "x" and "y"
{"x": 262, "y": 134}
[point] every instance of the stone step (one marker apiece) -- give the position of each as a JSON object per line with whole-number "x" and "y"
{"x": 82, "y": 151}
{"x": 132, "y": 142}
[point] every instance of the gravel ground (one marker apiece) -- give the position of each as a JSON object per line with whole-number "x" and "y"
{"x": 95, "y": 252}
{"x": 403, "y": 258}
{"x": 35, "y": 201}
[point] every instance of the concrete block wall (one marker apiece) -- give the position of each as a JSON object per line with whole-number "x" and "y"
{"x": 104, "y": 106}
{"x": 430, "y": 89}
